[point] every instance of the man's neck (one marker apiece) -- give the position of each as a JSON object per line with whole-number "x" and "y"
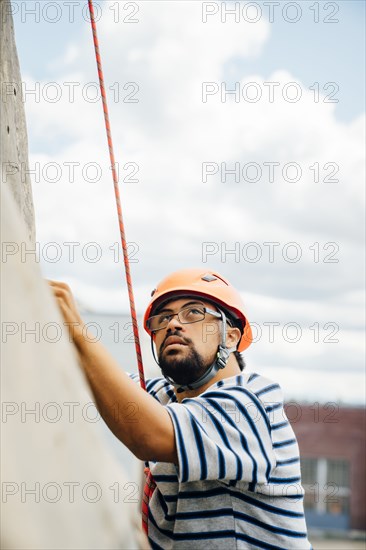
{"x": 231, "y": 369}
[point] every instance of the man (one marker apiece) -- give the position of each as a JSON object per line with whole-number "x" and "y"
{"x": 221, "y": 450}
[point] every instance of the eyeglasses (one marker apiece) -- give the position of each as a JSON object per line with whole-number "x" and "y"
{"x": 186, "y": 316}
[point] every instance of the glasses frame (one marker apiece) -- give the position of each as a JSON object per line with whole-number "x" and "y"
{"x": 171, "y": 315}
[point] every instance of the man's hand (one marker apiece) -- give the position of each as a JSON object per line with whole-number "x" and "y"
{"x": 69, "y": 310}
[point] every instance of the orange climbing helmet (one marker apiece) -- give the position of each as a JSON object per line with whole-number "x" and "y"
{"x": 208, "y": 285}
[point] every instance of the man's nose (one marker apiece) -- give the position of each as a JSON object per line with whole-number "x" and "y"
{"x": 174, "y": 323}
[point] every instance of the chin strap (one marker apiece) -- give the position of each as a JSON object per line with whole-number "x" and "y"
{"x": 221, "y": 359}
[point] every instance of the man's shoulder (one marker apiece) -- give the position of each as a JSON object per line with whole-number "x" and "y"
{"x": 159, "y": 388}
{"x": 249, "y": 384}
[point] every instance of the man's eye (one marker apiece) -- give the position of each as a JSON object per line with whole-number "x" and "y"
{"x": 163, "y": 318}
{"x": 194, "y": 311}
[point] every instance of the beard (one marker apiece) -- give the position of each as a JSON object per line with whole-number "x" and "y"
{"x": 183, "y": 370}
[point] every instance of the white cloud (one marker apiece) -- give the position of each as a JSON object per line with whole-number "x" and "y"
{"x": 170, "y": 212}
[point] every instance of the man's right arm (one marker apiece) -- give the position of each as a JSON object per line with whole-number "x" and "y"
{"x": 150, "y": 436}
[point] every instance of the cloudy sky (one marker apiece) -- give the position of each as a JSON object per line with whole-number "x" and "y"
{"x": 239, "y": 138}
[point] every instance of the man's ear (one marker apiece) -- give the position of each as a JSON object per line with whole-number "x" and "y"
{"x": 232, "y": 337}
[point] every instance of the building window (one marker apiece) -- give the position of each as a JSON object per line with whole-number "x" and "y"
{"x": 327, "y": 485}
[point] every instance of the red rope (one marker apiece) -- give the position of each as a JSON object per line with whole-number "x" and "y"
{"x": 150, "y": 483}
{"x": 118, "y": 201}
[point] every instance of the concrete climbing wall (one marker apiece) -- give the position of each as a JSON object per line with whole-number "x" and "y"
{"x": 61, "y": 486}
{"x": 13, "y": 132}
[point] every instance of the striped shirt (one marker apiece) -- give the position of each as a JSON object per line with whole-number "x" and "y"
{"x": 237, "y": 483}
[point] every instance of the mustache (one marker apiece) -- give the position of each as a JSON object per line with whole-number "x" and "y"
{"x": 178, "y": 335}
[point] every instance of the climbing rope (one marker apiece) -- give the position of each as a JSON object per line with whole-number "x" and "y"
{"x": 149, "y": 483}
{"x": 118, "y": 200}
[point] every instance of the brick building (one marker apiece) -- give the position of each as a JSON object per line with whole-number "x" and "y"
{"x": 332, "y": 447}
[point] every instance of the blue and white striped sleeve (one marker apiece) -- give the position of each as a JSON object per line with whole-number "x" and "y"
{"x": 158, "y": 387}
{"x": 223, "y": 434}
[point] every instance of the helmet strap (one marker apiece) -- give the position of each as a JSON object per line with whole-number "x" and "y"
{"x": 222, "y": 356}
